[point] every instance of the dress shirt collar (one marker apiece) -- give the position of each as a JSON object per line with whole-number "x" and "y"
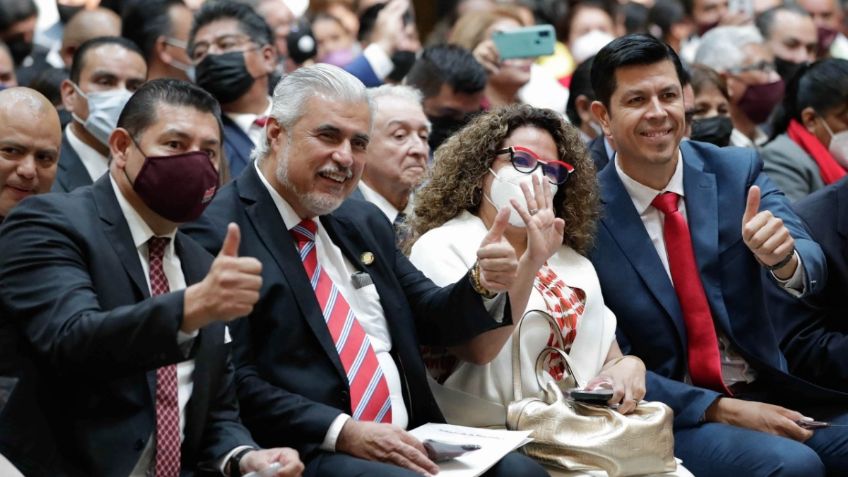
{"x": 95, "y": 164}
{"x": 245, "y": 120}
{"x": 288, "y": 214}
{"x": 738, "y": 139}
{"x": 643, "y": 195}
{"x": 382, "y": 203}
{"x": 140, "y": 231}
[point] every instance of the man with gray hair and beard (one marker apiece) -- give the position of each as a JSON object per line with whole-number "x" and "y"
{"x": 328, "y": 360}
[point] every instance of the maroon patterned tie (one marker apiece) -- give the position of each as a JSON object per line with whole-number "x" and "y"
{"x": 167, "y": 402}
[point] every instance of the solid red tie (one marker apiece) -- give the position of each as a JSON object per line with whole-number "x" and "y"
{"x": 703, "y": 354}
{"x": 167, "y": 401}
{"x": 369, "y": 393}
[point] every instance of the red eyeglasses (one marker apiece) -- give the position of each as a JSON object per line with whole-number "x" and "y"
{"x": 526, "y": 161}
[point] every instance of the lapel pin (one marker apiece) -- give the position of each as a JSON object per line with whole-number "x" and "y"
{"x": 367, "y": 258}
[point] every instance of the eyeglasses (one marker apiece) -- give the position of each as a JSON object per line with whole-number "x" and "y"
{"x": 762, "y": 66}
{"x": 221, "y": 44}
{"x": 526, "y": 161}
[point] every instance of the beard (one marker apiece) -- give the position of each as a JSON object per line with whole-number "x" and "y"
{"x": 316, "y": 203}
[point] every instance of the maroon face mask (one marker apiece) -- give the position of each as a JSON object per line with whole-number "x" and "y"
{"x": 177, "y": 187}
{"x": 826, "y": 37}
{"x": 760, "y": 99}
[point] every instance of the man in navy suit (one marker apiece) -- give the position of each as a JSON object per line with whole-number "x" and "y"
{"x": 327, "y": 260}
{"x": 232, "y": 48}
{"x": 814, "y": 332}
{"x": 123, "y": 316}
{"x": 683, "y": 278}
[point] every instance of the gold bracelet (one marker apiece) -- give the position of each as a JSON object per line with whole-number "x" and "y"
{"x": 477, "y": 286}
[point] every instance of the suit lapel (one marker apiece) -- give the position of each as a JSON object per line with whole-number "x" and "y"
{"x": 702, "y": 216}
{"x": 72, "y": 172}
{"x": 273, "y": 232}
{"x": 625, "y": 226}
{"x": 116, "y": 229}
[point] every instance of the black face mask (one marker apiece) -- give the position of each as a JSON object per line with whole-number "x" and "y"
{"x": 66, "y": 12}
{"x": 224, "y": 76}
{"x": 443, "y": 127}
{"x": 403, "y": 61}
{"x": 786, "y": 69}
{"x": 19, "y": 49}
{"x": 715, "y": 130}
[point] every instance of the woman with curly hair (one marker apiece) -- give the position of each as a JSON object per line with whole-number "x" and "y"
{"x": 501, "y": 161}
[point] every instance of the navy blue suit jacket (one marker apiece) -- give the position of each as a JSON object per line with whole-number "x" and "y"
{"x": 291, "y": 382}
{"x": 237, "y": 146}
{"x": 75, "y": 288}
{"x": 70, "y": 172}
{"x": 814, "y": 332}
{"x": 638, "y": 290}
{"x": 361, "y": 68}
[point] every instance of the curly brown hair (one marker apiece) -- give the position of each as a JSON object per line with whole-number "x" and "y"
{"x": 455, "y": 181}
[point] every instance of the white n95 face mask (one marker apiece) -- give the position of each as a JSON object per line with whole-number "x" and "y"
{"x": 104, "y": 109}
{"x": 838, "y": 145}
{"x": 507, "y": 185}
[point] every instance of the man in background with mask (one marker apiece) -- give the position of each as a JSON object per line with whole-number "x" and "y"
{"x": 104, "y": 74}
{"x": 125, "y": 316}
{"x": 452, "y": 82}
{"x": 17, "y": 30}
{"x": 828, "y": 16}
{"x": 790, "y": 33}
{"x": 739, "y": 54}
{"x": 231, "y": 47}
{"x": 389, "y": 38}
{"x": 7, "y": 68}
{"x": 396, "y": 159}
{"x": 160, "y": 28}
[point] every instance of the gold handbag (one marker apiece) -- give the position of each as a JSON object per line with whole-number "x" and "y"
{"x": 577, "y": 436}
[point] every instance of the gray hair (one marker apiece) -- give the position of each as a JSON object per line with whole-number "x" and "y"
{"x": 295, "y": 89}
{"x": 721, "y": 47}
{"x": 408, "y": 93}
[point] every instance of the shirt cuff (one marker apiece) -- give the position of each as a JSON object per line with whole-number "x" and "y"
{"x": 379, "y": 60}
{"x": 496, "y": 306}
{"x": 795, "y": 284}
{"x": 222, "y": 464}
{"x": 333, "y": 432}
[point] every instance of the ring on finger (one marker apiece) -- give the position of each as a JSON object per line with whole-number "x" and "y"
{"x": 533, "y": 211}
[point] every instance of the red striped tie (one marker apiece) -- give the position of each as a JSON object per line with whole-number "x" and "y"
{"x": 167, "y": 402}
{"x": 369, "y": 393}
{"x": 703, "y": 355}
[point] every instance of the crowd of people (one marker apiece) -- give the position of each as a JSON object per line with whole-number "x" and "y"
{"x": 274, "y": 236}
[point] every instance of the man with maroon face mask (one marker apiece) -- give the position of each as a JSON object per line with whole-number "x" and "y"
{"x": 828, "y": 17}
{"x": 124, "y": 316}
{"x": 741, "y": 56}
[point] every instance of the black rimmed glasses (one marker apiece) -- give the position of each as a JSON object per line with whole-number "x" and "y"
{"x": 526, "y": 161}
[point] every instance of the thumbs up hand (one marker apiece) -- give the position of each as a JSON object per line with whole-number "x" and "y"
{"x": 767, "y": 237}
{"x": 496, "y": 258}
{"x": 228, "y": 291}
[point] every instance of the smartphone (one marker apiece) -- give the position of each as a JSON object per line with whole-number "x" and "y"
{"x": 595, "y": 396}
{"x": 812, "y": 425}
{"x": 526, "y": 42}
{"x": 439, "y": 451}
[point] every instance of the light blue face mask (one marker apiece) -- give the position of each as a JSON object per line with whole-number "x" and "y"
{"x": 104, "y": 108}
{"x": 186, "y": 68}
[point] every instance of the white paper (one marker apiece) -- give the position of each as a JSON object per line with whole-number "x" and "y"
{"x": 494, "y": 444}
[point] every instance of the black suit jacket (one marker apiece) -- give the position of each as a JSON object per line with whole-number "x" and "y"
{"x": 291, "y": 382}
{"x": 70, "y": 172}
{"x": 814, "y": 332}
{"x": 598, "y": 151}
{"x": 75, "y": 288}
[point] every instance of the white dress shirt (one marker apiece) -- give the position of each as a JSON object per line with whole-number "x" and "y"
{"x": 365, "y": 303}
{"x": 382, "y": 203}
{"x": 247, "y": 123}
{"x": 95, "y": 164}
{"x": 739, "y": 139}
{"x": 734, "y": 368}
{"x": 141, "y": 233}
